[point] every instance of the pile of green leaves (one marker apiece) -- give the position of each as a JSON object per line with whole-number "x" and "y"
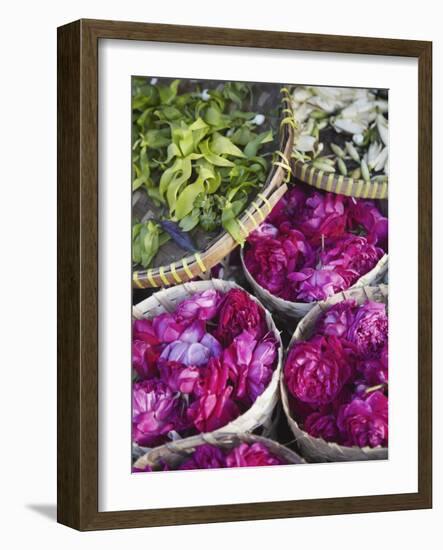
{"x": 196, "y": 154}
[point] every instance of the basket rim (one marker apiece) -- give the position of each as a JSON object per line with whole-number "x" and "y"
{"x": 339, "y": 184}
{"x": 322, "y": 306}
{"x": 188, "y": 445}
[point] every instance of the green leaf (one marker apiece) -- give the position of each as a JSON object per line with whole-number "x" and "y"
{"x": 212, "y": 157}
{"x": 222, "y": 145}
{"x": 168, "y": 93}
{"x": 190, "y": 221}
{"x": 185, "y": 202}
{"x": 253, "y": 146}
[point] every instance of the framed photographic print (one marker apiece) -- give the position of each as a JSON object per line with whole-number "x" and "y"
{"x": 233, "y": 341}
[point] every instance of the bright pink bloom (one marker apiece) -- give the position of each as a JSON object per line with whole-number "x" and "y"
{"x": 354, "y": 254}
{"x": 369, "y": 330}
{"x": 255, "y": 454}
{"x": 154, "y": 412}
{"x": 316, "y": 371}
{"x": 323, "y": 426}
{"x": 250, "y": 365}
{"x": 364, "y": 422}
{"x": 311, "y": 285}
{"x": 167, "y": 328}
{"x": 179, "y": 377}
{"x": 214, "y": 407}
{"x": 239, "y": 312}
{"x": 205, "y": 457}
{"x": 203, "y": 306}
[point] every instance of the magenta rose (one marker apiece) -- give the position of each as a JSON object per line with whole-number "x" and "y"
{"x": 154, "y": 412}
{"x": 143, "y": 329}
{"x": 179, "y": 377}
{"x": 311, "y": 285}
{"x": 144, "y": 358}
{"x": 194, "y": 347}
{"x": 375, "y": 370}
{"x": 250, "y": 365}
{"x": 239, "y": 312}
{"x": 364, "y": 422}
{"x": 203, "y": 306}
{"x": 214, "y": 406}
{"x": 316, "y": 371}
{"x": 337, "y": 319}
{"x": 264, "y": 231}
{"x": 369, "y": 331}
{"x": 323, "y": 426}
{"x": 255, "y": 454}
{"x": 205, "y": 457}
{"x": 324, "y": 215}
{"x": 352, "y": 253}
{"x": 364, "y": 214}
{"x": 267, "y": 262}
{"x": 166, "y": 328}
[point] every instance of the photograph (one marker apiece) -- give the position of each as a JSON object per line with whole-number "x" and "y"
{"x": 259, "y": 273}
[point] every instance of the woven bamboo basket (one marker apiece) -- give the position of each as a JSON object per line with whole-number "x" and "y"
{"x": 376, "y": 188}
{"x": 312, "y": 448}
{"x": 291, "y": 312}
{"x": 169, "y": 266}
{"x": 336, "y": 183}
{"x": 259, "y": 415}
{"x": 176, "y": 452}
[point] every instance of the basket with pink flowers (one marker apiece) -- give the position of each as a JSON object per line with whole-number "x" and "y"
{"x": 334, "y": 384}
{"x": 206, "y": 359}
{"x": 208, "y": 451}
{"x": 312, "y": 246}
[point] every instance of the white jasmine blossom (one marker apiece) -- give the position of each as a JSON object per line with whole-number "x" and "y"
{"x": 258, "y": 119}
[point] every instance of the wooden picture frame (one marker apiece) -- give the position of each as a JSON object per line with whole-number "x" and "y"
{"x": 78, "y": 273}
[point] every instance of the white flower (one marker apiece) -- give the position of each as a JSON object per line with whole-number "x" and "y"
{"x": 204, "y": 95}
{"x": 154, "y": 81}
{"x": 358, "y": 139}
{"x": 382, "y": 127}
{"x": 258, "y": 119}
{"x": 305, "y": 143}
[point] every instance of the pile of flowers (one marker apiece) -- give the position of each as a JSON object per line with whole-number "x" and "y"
{"x": 314, "y": 244}
{"x": 338, "y": 379}
{"x": 199, "y": 368}
{"x": 208, "y": 456}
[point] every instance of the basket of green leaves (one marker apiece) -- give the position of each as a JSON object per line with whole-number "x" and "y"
{"x": 209, "y": 161}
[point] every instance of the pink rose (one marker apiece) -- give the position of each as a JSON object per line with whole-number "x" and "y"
{"x": 250, "y": 365}
{"x": 203, "y": 306}
{"x": 239, "y": 312}
{"x": 255, "y": 454}
{"x": 369, "y": 330}
{"x": 179, "y": 377}
{"x": 316, "y": 371}
{"x": 337, "y": 319}
{"x": 323, "y": 426}
{"x": 214, "y": 406}
{"x": 311, "y": 285}
{"x": 205, "y": 457}
{"x": 354, "y": 254}
{"x": 154, "y": 412}
{"x": 364, "y": 422}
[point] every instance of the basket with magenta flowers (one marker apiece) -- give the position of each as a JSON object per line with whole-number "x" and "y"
{"x": 313, "y": 245}
{"x": 334, "y": 384}
{"x": 203, "y": 452}
{"x": 206, "y": 359}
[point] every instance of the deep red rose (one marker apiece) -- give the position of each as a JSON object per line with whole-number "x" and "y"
{"x": 323, "y": 426}
{"x": 239, "y": 312}
{"x": 364, "y": 422}
{"x": 316, "y": 371}
{"x": 255, "y": 454}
